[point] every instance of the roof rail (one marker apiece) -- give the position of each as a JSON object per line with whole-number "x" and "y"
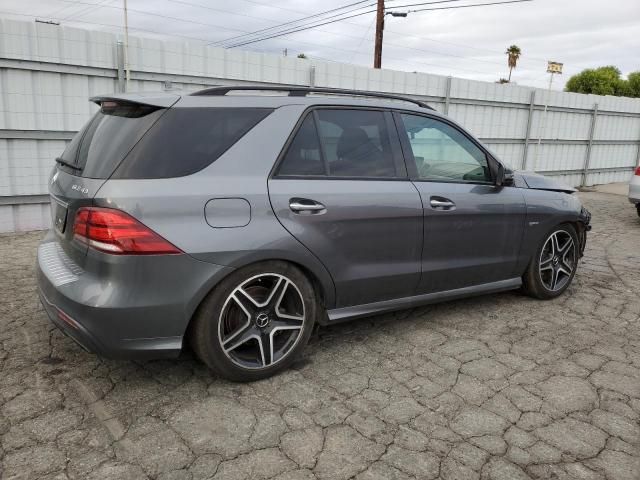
{"x": 304, "y": 91}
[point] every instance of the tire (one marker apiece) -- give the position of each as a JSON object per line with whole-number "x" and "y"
{"x": 256, "y": 322}
{"x": 638, "y": 208}
{"x": 550, "y": 273}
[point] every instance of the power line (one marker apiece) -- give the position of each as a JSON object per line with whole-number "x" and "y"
{"x": 319, "y": 14}
{"x": 468, "y": 6}
{"x": 362, "y": 27}
{"x": 295, "y": 29}
{"x": 84, "y": 11}
{"x": 311, "y": 24}
{"x": 424, "y": 3}
{"x": 153, "y": 14}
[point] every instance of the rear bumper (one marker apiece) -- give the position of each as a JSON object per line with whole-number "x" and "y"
{"x": 634, "y": 190}
{"x": 131, "y": 308}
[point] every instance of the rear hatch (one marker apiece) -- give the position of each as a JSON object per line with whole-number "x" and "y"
{"x": 94, "y": 154}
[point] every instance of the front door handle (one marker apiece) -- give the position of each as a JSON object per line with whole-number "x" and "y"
{"x": 299, "y": 205}
{"x": 443, "y": 203}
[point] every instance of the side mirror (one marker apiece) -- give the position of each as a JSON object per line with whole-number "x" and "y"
{"x": 504, "y": 176}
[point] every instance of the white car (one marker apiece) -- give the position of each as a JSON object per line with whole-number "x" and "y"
{"x": 634, "y": 189}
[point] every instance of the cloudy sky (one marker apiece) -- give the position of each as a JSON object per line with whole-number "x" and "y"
{"x": 464, "y": 42}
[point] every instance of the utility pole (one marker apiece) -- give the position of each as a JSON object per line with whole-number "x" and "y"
{"x": 377, "y": 55}
{"x": 126, "y": 46}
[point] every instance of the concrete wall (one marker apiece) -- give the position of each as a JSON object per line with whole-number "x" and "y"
{"x": 47, "y": 73}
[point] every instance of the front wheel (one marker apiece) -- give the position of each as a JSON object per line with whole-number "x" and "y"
{"x": 554, "y": 265}
{"x": 256, "y": 321}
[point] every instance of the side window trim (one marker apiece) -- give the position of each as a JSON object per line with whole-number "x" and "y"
{"x": 396, "y": 147}
{"x": 323, "y": 153}
{"x": 408, "y": 152}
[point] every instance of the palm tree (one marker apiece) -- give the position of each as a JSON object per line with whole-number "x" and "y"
{"x": 513, "y": 53}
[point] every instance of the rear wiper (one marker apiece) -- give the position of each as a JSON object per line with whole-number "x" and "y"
{"x": 62, "y": 161}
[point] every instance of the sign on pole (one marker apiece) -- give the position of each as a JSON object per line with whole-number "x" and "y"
{"x": 554, "y": 67}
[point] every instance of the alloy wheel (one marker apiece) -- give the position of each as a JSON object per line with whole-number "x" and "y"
{"x": 261, "y": 321}
{"x": 557, "y": 260}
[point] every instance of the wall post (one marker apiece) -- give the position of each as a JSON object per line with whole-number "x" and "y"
{"x": 587, "y": 157}
{"x": 525, "y": 150}
{"x": 312, "y": 76}
{"x": 447, "y": 97}
{"x": 122, "y": 85}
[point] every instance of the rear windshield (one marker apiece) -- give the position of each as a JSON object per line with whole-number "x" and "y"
{"x": 186, "y": 140}
{"x": 105, "y": 140}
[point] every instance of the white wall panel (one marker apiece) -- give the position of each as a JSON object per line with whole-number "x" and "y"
{"x": 25, "y": 165}
{"x": 612, "y": 127}
{"x": 549, "y": 157}
{"x": 560, "y": 125}
{"x": 599, "y": 178}
{"x": 24, "y": 218}
{"x": 604, "y": 156}
{"x": 490, "y": 121}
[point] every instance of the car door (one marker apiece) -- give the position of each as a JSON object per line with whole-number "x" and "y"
{"x": 342, "y": 190}
{"x": 472, "y": 228}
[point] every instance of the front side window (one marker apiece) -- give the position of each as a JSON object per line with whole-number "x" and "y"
{"x": 442, "y": 153}
{"x": 341, "y": 143}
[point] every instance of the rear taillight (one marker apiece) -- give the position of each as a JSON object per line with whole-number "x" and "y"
{"x": 638, "y": 171}
{"x": 113, "y": 231}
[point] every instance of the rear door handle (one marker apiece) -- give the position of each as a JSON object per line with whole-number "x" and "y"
{"x": 299, "y": 205}
{"x": 443, "y": 204}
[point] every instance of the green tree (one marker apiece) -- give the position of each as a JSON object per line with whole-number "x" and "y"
{"x": 513, "y": 55}
{"x": 599, "y": 81}
{"x": 633, "y": 81}
{"x": 302, "y": 55}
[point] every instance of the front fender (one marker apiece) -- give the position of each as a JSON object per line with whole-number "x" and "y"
{"x": 546, "y": 210}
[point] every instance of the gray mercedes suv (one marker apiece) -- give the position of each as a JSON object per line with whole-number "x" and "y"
{"x": 234, "y": 219}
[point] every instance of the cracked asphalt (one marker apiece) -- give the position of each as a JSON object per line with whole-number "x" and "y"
{"x": 494, "y": 387}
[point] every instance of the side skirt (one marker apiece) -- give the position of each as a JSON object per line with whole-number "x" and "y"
{"x": 348, "y": 313}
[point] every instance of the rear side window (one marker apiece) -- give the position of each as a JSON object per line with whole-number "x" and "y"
{"x": 350, "y": 143}
{"x": 105, "y": 140}
{"x": 303, "y": 156}
{"x": 186, "y": 140}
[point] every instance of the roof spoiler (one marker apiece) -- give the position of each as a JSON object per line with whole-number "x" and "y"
{"x": 161, "y": 100}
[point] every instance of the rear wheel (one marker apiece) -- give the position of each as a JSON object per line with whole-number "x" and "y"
{"x": 554, "y": 265}
{"x": 638, "y": 208}
{"x": 256, "y": 321}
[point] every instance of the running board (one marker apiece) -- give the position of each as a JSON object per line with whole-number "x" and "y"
{"x": 347, "y": 313}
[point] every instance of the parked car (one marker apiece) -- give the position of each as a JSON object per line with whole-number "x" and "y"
{"x": 236, "y": 221}
{"x": 634, "y": 189}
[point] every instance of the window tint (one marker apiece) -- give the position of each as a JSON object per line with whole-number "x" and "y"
{"x": 303, "y": 155}
{"x": 354, "y": 143}
{"x": 443, "y": 153}
{"x": 104, "y": 141}
{"x": 186, "y": 140}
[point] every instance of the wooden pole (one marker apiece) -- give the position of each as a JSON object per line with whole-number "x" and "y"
{"x": 377, "y": 55}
